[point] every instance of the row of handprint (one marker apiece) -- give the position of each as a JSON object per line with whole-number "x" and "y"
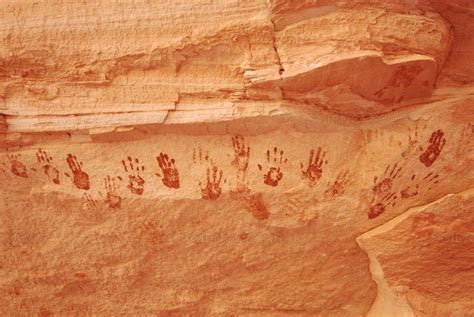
{"x": 272, "y": 170}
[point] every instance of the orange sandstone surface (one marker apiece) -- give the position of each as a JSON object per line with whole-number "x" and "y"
{"x": 237, "y": 158}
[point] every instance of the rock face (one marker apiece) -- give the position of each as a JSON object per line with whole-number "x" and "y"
{"x": 237, "y": 158}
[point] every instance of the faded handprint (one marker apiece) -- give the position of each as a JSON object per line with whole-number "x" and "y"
{"x": 49, "y": 169}
{"x": 413, "y": 188}
{"x": 88, "y": 203}
{"x": 170, "y": 177}
{"x": 112, "y": 199}
{"x": 241, "y": 153}
{"x": 16, "y": 167}
{"x": 213, "y": 189}
{"x": 437, "y": 142}
{"x": 385, "y": 185}
{"x": 337, "y": 188}
{"x": 411, "y": 147}
{"x": 379, "y": 208}
{"x": 80, "y": 178}
{"x": 135, "y": 181}
{"x": 200, "y": 156}
{"x": 314, "y": 170}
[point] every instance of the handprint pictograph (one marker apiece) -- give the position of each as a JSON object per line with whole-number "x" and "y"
{"x": 80, "y": 178}
{"x": 412, "y": 145}
{"x": 436, "y": 144}
{"x": 241, "y": 153}
{"x": 337, "y": 188}
{"x": 275, "y": 160}
{"x": 379, "y": 208}
{"x": 112, "y": 199}
{"x": 257, "y": 206}
{"x": 88, "y": 203}
{"x": 413, "y": 188}
{"x": 170, "y": 177}
{"x": 199, "y": 156}
{"x": 46, "y": 163}
{"x": 386, "y": 183}
{"x": 3, "y": 168}
{"x": 135, "y": 181}
{"x": 213, "y": 189}
{"x": 240, "y": 162}
{"x": 16, "y": 167}
{"x": 313, "y": 172}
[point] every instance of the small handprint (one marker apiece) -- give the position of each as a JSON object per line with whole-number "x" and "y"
{"x": 274, "y": 174}
{"x": 199, "y": 156}
{"x": 49, "y": 169}
{"x": 80, "y": 178}
{"x": 412, "y": 145}
{"x": 385, "y": 185}
{"x": 314, "y": 171}
{"x": 241, "y": 153}
{"x": 135, "y": 181}
{"x": 88, "y": 203}
{"x": 413, "y": 188}
{"x": 213, "y": 189}
{"x": 379, "y": 208}
{"x": 16, "y": 167}
{"x": 437, "y": 142}
{"x": 337, "y": 188}
{"x": 170, "y": 177}
{"x": 112, "y": 199}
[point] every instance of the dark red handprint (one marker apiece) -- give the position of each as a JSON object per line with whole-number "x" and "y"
{"x": 80, "y": 178}
{"x": 135, "y": 181}
{"x": 213, "y": 189}
{"x": 314, "y": 171}
{"x": 379, "y": 208}
{"x": 46, "y": 162}
{"x": 385, "y": 185}
{"x": 112, "y": 199}
{"x": 16, "y": 167}
{"x": 437, "y": 142}
{"x": 241, "y": 153}
{"x": 274, "y": 173}
{"x": 170, "y": 177}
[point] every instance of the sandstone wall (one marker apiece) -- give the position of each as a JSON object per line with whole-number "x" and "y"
{"x": 237, "y": 158}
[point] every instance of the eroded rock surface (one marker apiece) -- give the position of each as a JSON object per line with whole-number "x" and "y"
{"x": 237, "y": 158}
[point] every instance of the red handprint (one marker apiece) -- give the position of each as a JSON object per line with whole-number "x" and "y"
{"x": 135, "y": 181}
{"x": 80, "y": 179}
{"x": 112, "y": 199}
{"x": 379, "y": 208}
{"x": 46, "y": 162}
{"x": 213, "y": 190}
{"x": 314, "y": 171}
{"x": 437, "y": 142}
{"x": 274, "y": 174}
{"x": 386, "y": 184}
{"x": 88, "y": 203}
{"x": 170, "y": 176}
{"x": 337, "y": 188}
{"x": 413, "y": 188}
{"x": 17, "y": 167}
{"x": 241, "y": 153}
